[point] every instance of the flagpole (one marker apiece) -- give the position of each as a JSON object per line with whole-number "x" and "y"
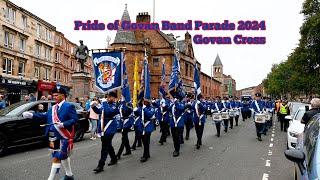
{"x": 135, "y": 83}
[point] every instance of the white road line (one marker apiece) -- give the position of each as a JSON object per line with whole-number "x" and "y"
{"x": 271, "y": 145}
{"x": 265, "y": 176}
{"x": 268, "y": 163}
{"x": 269, "y": 153}
{"x": 273, "y": 131}
{"x": 271, "y": 139}
{"x": 272, "y": 135}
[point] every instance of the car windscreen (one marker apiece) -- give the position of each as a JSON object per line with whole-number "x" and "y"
{"x": 18, "y": 110}
{"x": 5, "y": 111}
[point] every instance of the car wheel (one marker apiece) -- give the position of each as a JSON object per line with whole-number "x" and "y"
{"x": 3, "y": 144}
{"x": 78, "y": 136}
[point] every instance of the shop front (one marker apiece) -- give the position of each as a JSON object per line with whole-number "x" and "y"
{"x": 45, "y": 88}
{"x": 14, "y": 89}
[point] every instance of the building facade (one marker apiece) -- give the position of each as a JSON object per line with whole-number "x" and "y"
{"x": 161, "y": 47}
{"x": 34, "y": 56}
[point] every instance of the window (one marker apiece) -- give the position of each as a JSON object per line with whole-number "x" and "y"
{"x": 11, "y": 15}
{"x": 47, "y": 53}
{"x": 57, "y": 58}
{"x": 156, "y": 62}
{"x": 7, "y": 66}
{"x": 37, "y": 72}
{"x": 59, "y": 75}
{"x": 38, "y": 50}
{"x": 55, "y": 75}
{"x": 186, "y": 69}
{"x": 8, "y": 40}
{"x": 24, "y": 22}
{"x": 48, "y": 35}
{"x": 22, "y": 44}
{"x": 46, "y": 74}
{"x": 66, "y": 79}
{"x": 71, "y": 64}
{"x": 38, "y": 30}
{"x": 21, "y": 68}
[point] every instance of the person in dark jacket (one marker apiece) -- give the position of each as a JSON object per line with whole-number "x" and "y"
{"x": 315, "y": 109}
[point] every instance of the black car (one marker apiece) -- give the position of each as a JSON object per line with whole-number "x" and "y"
{"x": 16, "y": 130}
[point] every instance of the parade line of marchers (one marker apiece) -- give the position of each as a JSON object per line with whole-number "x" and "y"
{"x": 198, "y": 25}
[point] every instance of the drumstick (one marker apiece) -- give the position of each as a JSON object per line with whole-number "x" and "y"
{"x": 43, "y": 125}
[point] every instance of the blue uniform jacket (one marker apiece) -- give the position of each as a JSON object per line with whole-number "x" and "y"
{"x": 201, "y": 111}
{"x": 110, "y": 110}
{"x": 138, "y": 126}
{"x": 261, "y": 105}
{"x": 189, "y": 111}
{"x": 177, "y": 111}
{"x": 217, "y": 104}
{"x": 126, "y": 118}
{"x": 163, "y": 113}
{"x": 148, "y": 112}
{"x": 67, "y": 115}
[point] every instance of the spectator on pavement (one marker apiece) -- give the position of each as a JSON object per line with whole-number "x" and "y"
{"x": 43, "y": 98}
{"x": 94, "y": 117}
{"x": 2, "y": 102}
{"x": 26, "y": 98}
{"x": 315, "y": 108}
{"x": 49, "y": 97}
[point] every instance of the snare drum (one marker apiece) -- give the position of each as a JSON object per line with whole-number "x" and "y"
{"x": 216, "y": 116}
{"x": 260, "y": 118}
{"x": 232, "y": 113}
{"x": 54, "y": 142}
{"x": 225, "y": 115}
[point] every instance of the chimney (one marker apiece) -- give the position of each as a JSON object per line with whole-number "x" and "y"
{"x": 143, "y": 17}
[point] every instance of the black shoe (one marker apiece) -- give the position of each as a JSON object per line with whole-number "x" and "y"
{"x": 133, "y": 148}
{"x": 144, "y": 159}
{"x": 139, "y": 146}
{"x": 218, "y": 135}
{"x": 187, "y": 137}
{"x": 98, "y": 169}
{"x": 182, "y": 142}
{"x": 127, "y": 153}
{"x": 236, "y": 124}
{"x": 161, "y": 142}
{"x": 259, "y": 139}
{"x": 198, "y": 146}
{"x": 67, "y": 178}
{"x": 112, "y": 162}
{"x": 175, "y": 154}
{"x": 118, "y": 157}
{"x": 225, "y": 130}
{"x": 231, "y": 127}
{"x": 265, "y": 133}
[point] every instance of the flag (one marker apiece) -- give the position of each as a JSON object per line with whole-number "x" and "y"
{"x": 145, "y": 92}
{"x": 230, "y": 88}
{"x": 162, "y": 88}
{"x": 108, "y": 70}
{"x": 135, "y": 83}
{"x": 175, "y": 85}
{"x": 197, "y": 84}
{"x": 125, "y": 86}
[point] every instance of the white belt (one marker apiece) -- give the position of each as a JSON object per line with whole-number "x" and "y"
{"x": 108, "y": 124}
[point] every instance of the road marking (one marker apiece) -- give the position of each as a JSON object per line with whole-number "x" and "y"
{"x": 271, "y": 145}
{"x": 268, "y": 163}
{"x": 272, "y": 135}
{"x": 271, "y": 139}
{"x": 273, "y": 131}
{"x": 270, "y": 153}
{"x": 265, "y": 176}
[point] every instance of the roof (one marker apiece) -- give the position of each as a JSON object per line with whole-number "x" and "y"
{"x": 217, "y": 62}
{"x": 125, "y": 36}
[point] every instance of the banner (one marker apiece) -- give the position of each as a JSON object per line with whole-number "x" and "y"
{"x": 108, "y": 70}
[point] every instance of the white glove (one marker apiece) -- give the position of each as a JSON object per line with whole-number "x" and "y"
{"x": 175, "y": 99}
{"x": 144, "y": 106}
{"x": 59, "y": 125}
{"x": 135, "y": 109}
{"x": 27, "y": 114}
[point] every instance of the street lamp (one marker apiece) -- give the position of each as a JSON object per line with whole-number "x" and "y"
{"x": 108, "y": 41}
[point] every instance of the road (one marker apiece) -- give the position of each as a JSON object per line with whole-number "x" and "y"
{"x": 237, "y": 154}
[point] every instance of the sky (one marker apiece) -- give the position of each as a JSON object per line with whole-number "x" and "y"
{"x": 247, "y": 64}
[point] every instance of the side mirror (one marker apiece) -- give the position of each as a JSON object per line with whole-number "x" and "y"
{"x": 295, "y": 155}
{"x": 307, "y": 108}
{"x": 288, "y": 117}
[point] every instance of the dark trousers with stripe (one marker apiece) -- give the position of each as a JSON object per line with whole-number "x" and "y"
{"x": 124, "y": 142}
{"x": 176, "y": 133}
{"x": 199, "y": 132}
{"x": 107, "y": 149}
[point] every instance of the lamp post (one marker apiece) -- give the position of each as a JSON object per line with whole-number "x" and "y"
{"x": 108, "y": 41}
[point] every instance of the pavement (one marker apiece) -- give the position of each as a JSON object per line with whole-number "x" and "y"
{"x": 235, "y": 155}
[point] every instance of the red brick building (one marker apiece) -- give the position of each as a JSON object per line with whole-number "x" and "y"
{"x": 161, "y": 46}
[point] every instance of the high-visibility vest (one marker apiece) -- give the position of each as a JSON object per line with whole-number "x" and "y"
{"x": 283, "y": 109}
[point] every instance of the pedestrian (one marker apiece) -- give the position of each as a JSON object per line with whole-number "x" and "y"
{"x": 257, "y": 106}
{"x": 147, "y": 113}
{"x": 93, "y": 117}
{"x": 26, "y": 98}
{"x": 87, "y": 103}
{"x": 177, "y": 110}
{"x": 138, "y": 126}
{"x": 2, "y": 102}
{"x": 78, "y": 101}
{"x": 43, "y": 98}
{"x": 126, "y": 110}
{"x": 283, "y": 112}
{"x": 60, "y": 129}
{"x": 49, "y": 97}
{"x": 108, "y": 112}
{"x": 32, "y": 97}
{"x": 199, "y": 119}
{"x": 315, "y": 108}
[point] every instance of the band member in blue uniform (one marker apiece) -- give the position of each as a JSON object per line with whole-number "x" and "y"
{"x": 231, "y": 107}
{"x": 237, "y": 104}
{"x": 109, "y": 127}
{"x": 163, "y": 116}
{"x": 138, "y": 126}
{"x": 177, "y": 123}
{"x": 199, "y": 119}
{"x": 125, "y": 110}
{"x": 258, "y": 106}
{"x": 148, "y": 127}
{"x": 217, "y": 107}
{"x": 245, "y": 109}
{"x": 60, "y": 129}
{"x": 226, "y": 106}
{"x": 188, "y": 114}
{"x": 270, "y": 109}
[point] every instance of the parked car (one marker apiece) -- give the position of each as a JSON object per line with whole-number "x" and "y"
{"x": 295, "y": 127}
{"x": 306, "y": 156}
{"x": 16, "y": 130}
